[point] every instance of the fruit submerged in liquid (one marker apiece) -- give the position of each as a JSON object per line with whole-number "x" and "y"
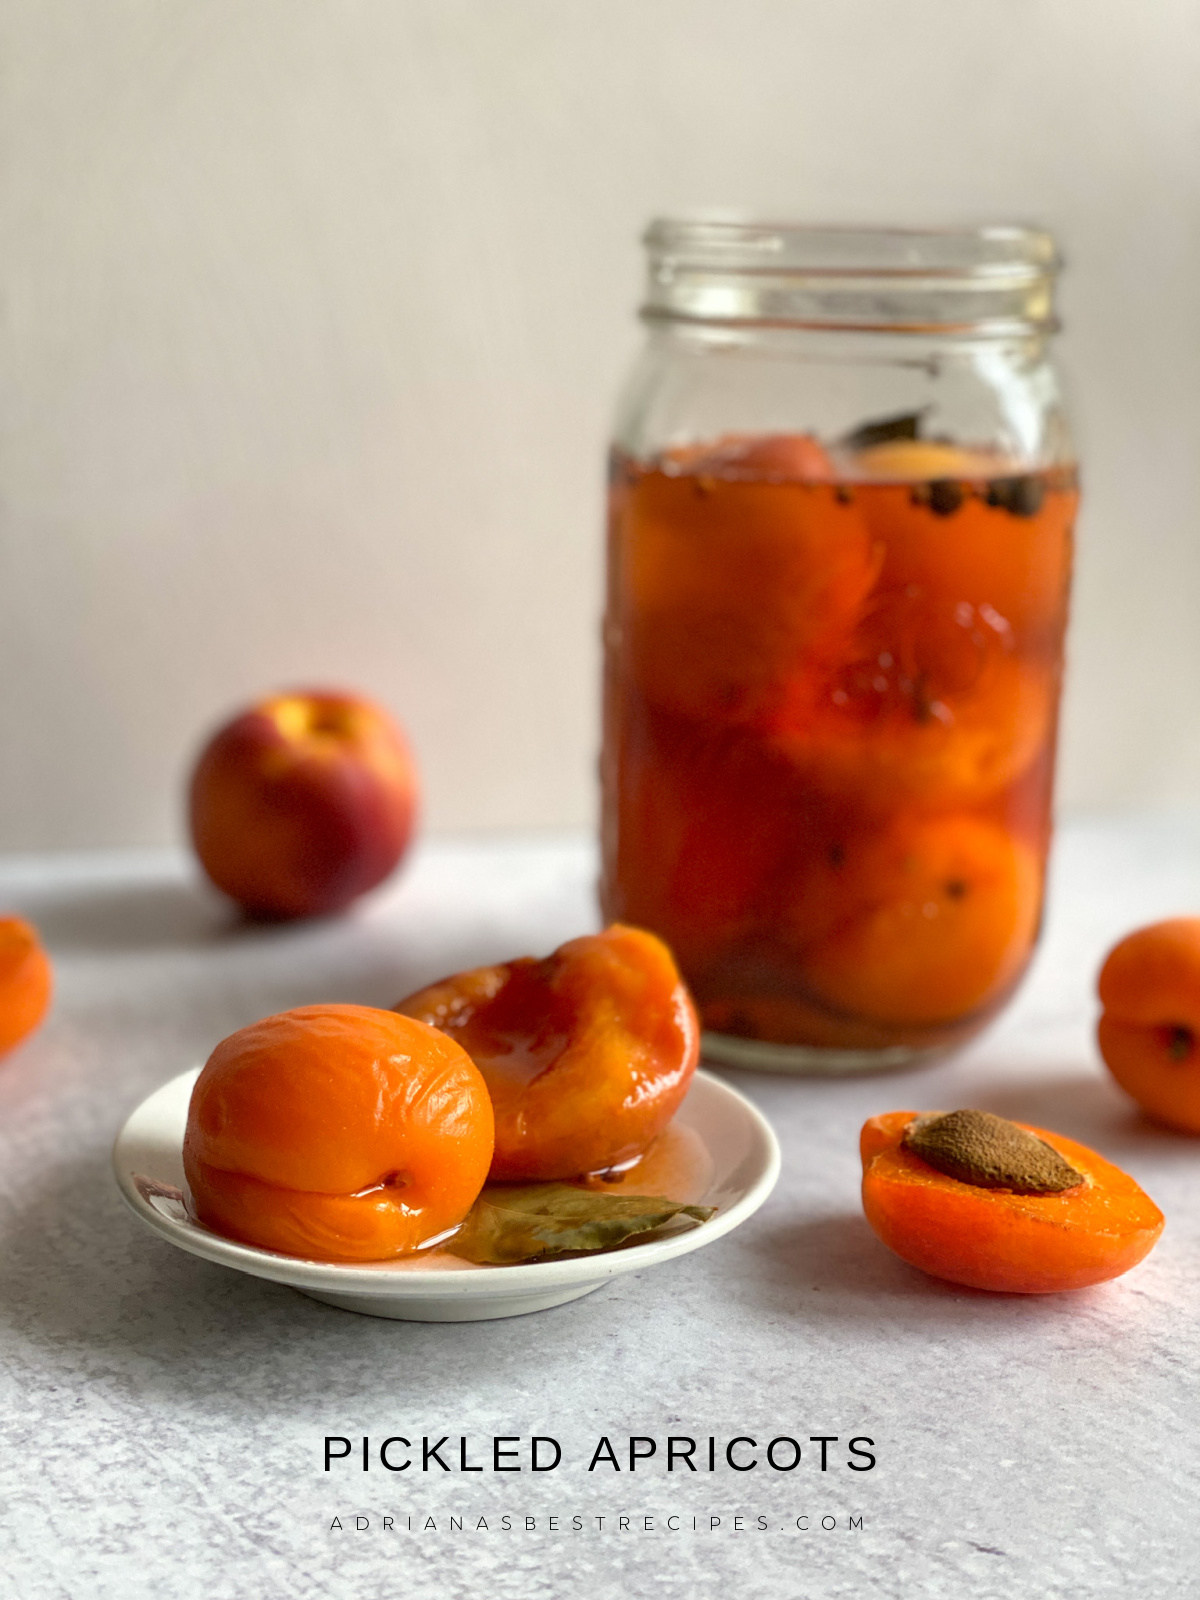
{"x": 831, "y": 700}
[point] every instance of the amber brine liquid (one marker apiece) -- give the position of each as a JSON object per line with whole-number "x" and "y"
{"x": 831, "y": 696}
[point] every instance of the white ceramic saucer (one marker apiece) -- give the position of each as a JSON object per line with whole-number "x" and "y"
{"x": 148, "y": 1162}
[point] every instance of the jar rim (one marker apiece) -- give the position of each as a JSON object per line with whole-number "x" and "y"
{"x": 726, "y": 269}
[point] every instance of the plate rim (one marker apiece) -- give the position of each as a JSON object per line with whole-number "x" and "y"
{"x": 486, "y": 1280}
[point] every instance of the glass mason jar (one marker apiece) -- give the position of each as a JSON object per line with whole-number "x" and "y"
{"x": 841, "y": 508}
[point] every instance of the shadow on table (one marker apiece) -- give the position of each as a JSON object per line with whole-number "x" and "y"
{"x": 832, "y": 1273}
{"x": 88, "y": 1296}
{"x": 1086, "y": 1106}
{"x": 134, "y": 916}
{"x": 140, "y": 917}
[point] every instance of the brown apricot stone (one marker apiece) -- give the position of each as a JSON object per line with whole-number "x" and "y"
{"x": 989, "y": 1152}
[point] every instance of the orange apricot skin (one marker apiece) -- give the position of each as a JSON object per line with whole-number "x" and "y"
{"x": 303, "y": 802}
{"x": 337, "y": 1133}
{"x": 1149, "y": 1032}
{"x": 992, "y": 1239}
{"x": 609, "y": 1039}
{"x": 26, "y": 981}
{"x": 908, "y": 951}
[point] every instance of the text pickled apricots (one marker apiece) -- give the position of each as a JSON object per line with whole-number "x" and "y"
{"x": 978, "y": 1200}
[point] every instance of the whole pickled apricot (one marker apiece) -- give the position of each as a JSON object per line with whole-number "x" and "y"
{"x": 1150, "y": 989}
{"x": 26, "y": 981}
{"x": 978, "y": 1200}
{"x": 338, "y": 1133}
{"x": 586, "y": 1054}
{"x": 941, "y": 917}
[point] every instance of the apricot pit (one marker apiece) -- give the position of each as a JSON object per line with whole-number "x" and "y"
{"x": 990, "y": 1152}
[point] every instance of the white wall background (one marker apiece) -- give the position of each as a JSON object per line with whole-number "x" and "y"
{"x": 312, "y": 313}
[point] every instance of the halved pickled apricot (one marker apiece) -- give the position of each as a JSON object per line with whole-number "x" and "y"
{"x": 586, "y": 1054}
{"x": 706, "y": 828}
{"x": 946, "y": 752}
{"x": 930, "y": 705}
{"x": 940, "y": 918}
{"x": 339, "y": 1133}
{"x": 728, "y": 587}
{"x": 796, "y": 456}
{"x": 960, "y": 525}
{"x": 990, "y": 1236}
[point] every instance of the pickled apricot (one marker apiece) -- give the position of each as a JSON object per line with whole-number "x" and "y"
{"x": 338, "y": 1133}
{"x": 976, "y": 531}
{"x": 795, "y": 456}
{"x": 26, "y": 981}
{"x": 995, "y": 1227}
{"x": 941, "y": 916}
{"x": 891, "y": 733}
{"x": 586, "y": 1054}
{"x": 919, "y": 461}
{"x": 731, "y": 585}
{"x": 704, "y": 832}
{"x": 1148, "y": 1034}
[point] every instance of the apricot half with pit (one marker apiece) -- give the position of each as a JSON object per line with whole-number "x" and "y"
{"x": 973, "y": 1198}
{"x": 586, "y": 1054}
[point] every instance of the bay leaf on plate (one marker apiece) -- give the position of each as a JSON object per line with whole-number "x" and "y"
{"x": 527, "y": 1222}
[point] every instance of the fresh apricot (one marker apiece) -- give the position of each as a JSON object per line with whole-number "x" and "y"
{"x": 586, "y": 1054}
{"x": 1149, "y": 1031}
{"x": 993, "y": 1204}
{"x": 338, "y": 1133}
{"x": 26, "y": 981}
{"x": 725, "y": 587}
{"x": 940, "y": 917}
{"x": 303, "y": 803}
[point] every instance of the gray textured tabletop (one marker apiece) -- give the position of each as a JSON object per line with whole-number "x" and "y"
{"x": 164, "y": 1418}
